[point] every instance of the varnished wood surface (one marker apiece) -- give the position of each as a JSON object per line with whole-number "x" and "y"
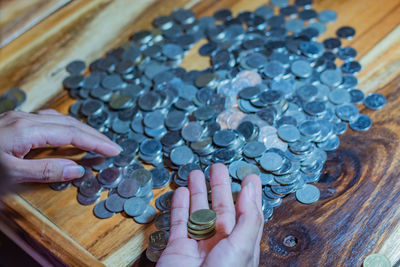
{"x": 18, "y": 16}
{"x": 358, "y": 212}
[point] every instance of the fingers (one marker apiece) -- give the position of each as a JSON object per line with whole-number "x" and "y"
{"x": 179, "y": 214}
{"x": 255, "y": 179}
{"x": 52, "y": 116}
{"x": 250, "y": 219}
{"x": 49, "y": 112}
{"x": 31, "y": 130}
{"x": 60, "y": 135}
{"x": 198, "y": 191}
{"x": 257, "y": 182}
{"x": 43, "y": 170}
{"x": 221, "y": 194}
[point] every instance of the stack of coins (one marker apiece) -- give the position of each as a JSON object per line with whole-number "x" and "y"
{"x": 157, "y": 243}
{"x": 201, "y": 224}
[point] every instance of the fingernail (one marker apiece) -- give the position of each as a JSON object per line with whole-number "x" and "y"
{"x": 71, "y": 172}
{"x": 116, "y": 148}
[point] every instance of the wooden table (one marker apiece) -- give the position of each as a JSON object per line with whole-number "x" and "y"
{"x": 358, "y": 213}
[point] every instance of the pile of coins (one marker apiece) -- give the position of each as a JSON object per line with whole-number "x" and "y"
{"x": 130, "y": 189}
{"x": 12, "y": 99}
{"x": 272, "y": 103}
{"x": 201, "y": 224}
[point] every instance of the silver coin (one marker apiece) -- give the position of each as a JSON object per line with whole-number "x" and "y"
{"x": 84, "y": 200}
{"x": 362, "y": 123}
{"x": 101, "y": 212}
{"x": 327, "y": 16}
{"x": 247, "y": 169}
{"x": 181, "y": 155}
{"x": 128, "y": 188}
{"x": 254, "y": 149}
{"x": 375, "y": 101}
{"x": 288, "y": 133}
{"x": 192, "y": 132}
{"x": 308, "y": 194}
{"x": 115, "y": 203}
{"x": 271, "y": 161}
{"x": 134, "y": 206}
{"x": 147, "y": 216}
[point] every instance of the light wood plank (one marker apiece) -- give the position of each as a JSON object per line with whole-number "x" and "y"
{"x": 18, "y": 16}
{"x": 118, "y": 241}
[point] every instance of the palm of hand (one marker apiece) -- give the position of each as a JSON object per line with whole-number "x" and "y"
{"x": 189, "y": 252}
{"x": 238, "y": 229}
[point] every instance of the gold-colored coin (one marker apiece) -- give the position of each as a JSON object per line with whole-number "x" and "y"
{"x": 199, "y": 227}
{"x": 201, "y": 237}
{"x": 202, "y": 232}
{"x": 119, "y": 101}
{"x": 376, "y": 260}
{"x": 7, "y": 104}
{"x": 16, "y": 93}
{"x": 204, "y": 216}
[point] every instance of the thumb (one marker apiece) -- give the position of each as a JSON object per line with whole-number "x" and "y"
{"x": 44, "y": 170}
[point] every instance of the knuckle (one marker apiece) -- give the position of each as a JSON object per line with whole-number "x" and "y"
{"x": 10, "y": 116}
{"x": 20, "y": 123}
{"x": 72, "y": 130}
{"x": 178, "y": 222}
{"x": 49, "y": 171}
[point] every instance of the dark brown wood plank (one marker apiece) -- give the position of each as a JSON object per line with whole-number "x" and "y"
{"x": 359, "y": 206}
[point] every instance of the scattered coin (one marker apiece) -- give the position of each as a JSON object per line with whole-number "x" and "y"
{"x": 101, "y": 212}
{"x": 147, "y": 216}
{"x": 375, "y": 101}
{"x": 308, "y": 194}
{"x": 362, "y": 123}
{"x": 134, "y": 206}
{"x": 376, "y": 260}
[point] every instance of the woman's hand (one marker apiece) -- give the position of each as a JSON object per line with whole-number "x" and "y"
{"x": 20, "y": 132}
{"x": 238, "y": 228}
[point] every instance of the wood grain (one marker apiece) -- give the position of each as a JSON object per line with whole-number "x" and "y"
{"x": 358, "y": 209}
{"x": 357, "y": 213}
{"x": 18, "y": 16}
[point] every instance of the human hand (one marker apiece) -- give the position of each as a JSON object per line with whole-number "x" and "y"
{"x": 20, "y": 132}
{"x": 238, "y": 228}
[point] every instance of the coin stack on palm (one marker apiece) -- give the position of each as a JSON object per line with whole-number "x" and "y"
{"x": 201, "y": 224}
